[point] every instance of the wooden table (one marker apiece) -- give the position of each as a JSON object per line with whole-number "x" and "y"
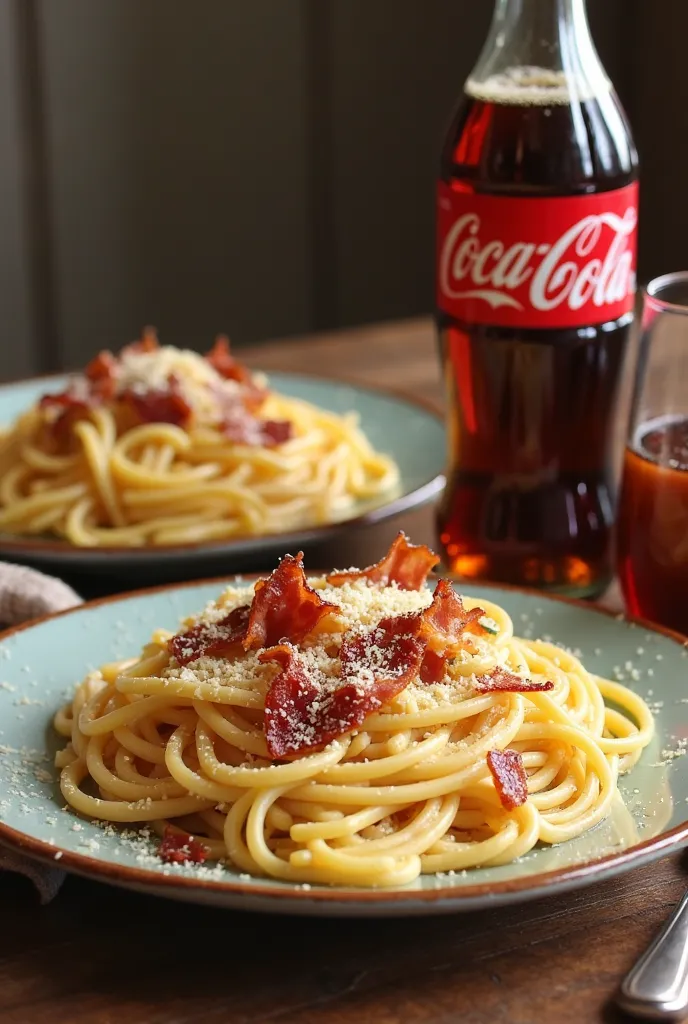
{"x": 98, "y": 955}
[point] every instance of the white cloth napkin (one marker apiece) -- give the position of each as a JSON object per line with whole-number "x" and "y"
{"x": 28, "y": 594}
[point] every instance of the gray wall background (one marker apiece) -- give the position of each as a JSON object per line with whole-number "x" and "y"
{"x": 261, "y": 167}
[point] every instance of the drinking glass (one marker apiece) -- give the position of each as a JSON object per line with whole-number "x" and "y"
{"x": 653, "y": 512}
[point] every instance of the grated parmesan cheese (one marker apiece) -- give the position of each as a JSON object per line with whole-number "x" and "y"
{"x": 200, "y": 384}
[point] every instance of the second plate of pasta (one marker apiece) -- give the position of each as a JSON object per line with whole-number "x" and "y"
{"x": 397, "y": 448}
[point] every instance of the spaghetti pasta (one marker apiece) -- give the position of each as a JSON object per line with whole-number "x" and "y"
{"x": 352, "y": 729}
{"x": 162, "y": 446}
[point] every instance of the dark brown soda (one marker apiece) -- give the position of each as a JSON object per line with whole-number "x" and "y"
{"x": 653, "y": 524}
{"x": 530, "y": 489}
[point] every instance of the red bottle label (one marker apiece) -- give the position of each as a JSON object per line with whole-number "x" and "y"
{"x": 533, "y": 262}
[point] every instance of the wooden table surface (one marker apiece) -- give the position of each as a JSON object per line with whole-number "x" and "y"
{"x": 98, "y": 955}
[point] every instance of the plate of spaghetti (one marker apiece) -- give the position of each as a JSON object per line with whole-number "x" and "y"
{"x": 159, "y": 456}
{"x": 363, "y": 742}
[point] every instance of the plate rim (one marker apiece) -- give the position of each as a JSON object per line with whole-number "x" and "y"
{"x": 416, "y": 498}
{"x": 524, "y": 888}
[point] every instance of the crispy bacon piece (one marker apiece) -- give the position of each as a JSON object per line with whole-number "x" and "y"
{"x": 102, "y": 365}
{"x": 446, "y": 621}
{"x": 101, "y": 376}
{"x": 502, "y": 681}
{"x": 181, "y": 848}
{"x": 158, "y": 406}
{"x": 251, "y": 396}
{"x": 389, "y": 652}
{"x": 240, "y": 421}
{"x": 405, "y": 564}
{"x": 291, "y": 723}
{"x": 80, "y": 396}
{"x": 444, "y": 627}
{"x": 222, "y": 360}
{"x": 242, "y": 427}
{"x": 148, "y": 342}
{"x": 65, "y": 409}
{"x": 276, "y": 431}
{"x": 510, "y": 779}
{"x": 213, "y": 640}
{"x": 301, "y": 715}
{"x": 432, "y": 667}
{"x": 153, "y": 406}
{"x": 284, "y": 606}
{"x": 63, "y": 401}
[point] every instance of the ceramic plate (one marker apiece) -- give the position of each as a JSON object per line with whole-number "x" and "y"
{"x": 408, "y": 431}
{"x": 40, "y": 663}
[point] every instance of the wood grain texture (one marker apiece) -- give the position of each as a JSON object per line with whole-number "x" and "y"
{"x": 101, "y": 956}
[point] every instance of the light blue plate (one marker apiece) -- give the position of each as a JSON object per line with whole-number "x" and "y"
{"x": 40, "y": 664}
{"x": 408, "y": 431}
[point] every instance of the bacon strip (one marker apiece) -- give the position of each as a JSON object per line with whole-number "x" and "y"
{"x": 389, "y": 653}
{"x": 224, "y": 363}
{"x": 76, "y": 401}
{"x": 240, "y": 422}
{"x": 181, "y": 848}
{"x": 290, "y": 721}
{"x": 405, "y": 564}
{"x": 65, "y": 401}
{"x": 241, "y": 427}
{"x": 501, "y": 681}
{"x": 214, "y": 640}
{"x": 443, "y": 627}
{"x": 301, "y": 716}
{"x": 432, "y": 667}
{"x": 101, "y": 375}
{"x": 158, "y": 406}
{"x": 148, "y": 342}
{"x": 510, "y": 779}
{"x": 64, "y": 410}
{"x": 238, "y": 409}
{"x": 276, "y": 432}
{"x": 154, "y": 406}
{"x": 99, "y": 386}
{"x": 446, "y": 621}
{"x": 284, "y": 606}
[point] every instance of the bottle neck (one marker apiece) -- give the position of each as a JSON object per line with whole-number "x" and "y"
{"x": 545, "y": 19}
{"x": 546, "y": 40}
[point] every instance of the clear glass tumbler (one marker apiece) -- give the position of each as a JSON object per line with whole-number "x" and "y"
{"x": 653, "y": 509}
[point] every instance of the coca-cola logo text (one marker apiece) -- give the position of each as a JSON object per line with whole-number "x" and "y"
{"x": 567, "y": 257}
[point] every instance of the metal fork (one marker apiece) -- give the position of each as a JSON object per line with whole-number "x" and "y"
{"x": 656, "y": 988}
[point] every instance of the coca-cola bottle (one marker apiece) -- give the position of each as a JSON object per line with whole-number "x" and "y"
{"x": 537, "y": 213}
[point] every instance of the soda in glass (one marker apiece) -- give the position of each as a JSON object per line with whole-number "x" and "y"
{"x": 653, "y": 510}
